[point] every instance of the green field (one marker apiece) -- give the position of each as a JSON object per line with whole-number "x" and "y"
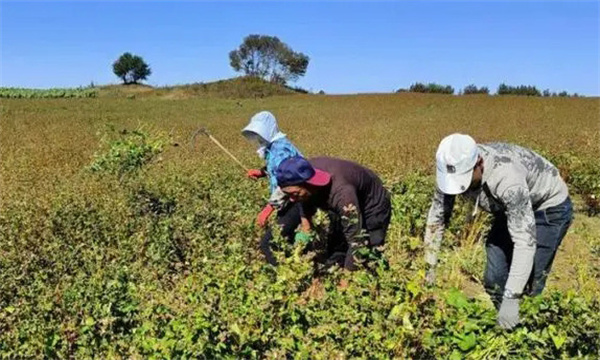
{"x": 117, "y": 243}
{"x": 19, "y": 93}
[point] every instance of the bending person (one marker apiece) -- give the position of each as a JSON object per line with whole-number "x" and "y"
{"x": 273, "y": 147}
{"x": 358, "y": 205}
{"x": 531, "y": 207}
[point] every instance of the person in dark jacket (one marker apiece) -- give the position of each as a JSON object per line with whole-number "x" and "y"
{"x": 354, "y": 197}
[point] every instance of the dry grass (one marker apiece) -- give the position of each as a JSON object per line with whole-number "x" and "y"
{"x": 172, "y": 252}
{"x": 44, "y": 141}
{"x": 242, "y": 87}
{"x": 45, "y": 144}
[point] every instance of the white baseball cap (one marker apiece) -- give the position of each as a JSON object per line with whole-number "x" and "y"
{"x": 456, "y": 158}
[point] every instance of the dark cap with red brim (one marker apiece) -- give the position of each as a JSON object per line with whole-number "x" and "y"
{"x": 297, "y": 170}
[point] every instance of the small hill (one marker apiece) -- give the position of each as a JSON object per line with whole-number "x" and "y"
{"x": 125, "y": 90}
{"x": 235, "y": 88}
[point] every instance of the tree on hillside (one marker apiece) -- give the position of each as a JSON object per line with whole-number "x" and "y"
{"x": 473, "y": 89}
{"x": 269, "y": 58}
{"x": 131, "y": 68}
{"x": 527, "y": 90}
{"x": 431, "y": 88}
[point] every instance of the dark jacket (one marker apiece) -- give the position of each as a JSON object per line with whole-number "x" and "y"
{"x": 355, "y": 193}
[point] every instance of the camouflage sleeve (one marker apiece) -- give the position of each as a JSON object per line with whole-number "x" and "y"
{"x": 439, "y": 215}
{"x": 521, "y": 226}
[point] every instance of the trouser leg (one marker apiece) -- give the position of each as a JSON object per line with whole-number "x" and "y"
{"x": 499, "y": 249}
{"x": 551, "y": 227}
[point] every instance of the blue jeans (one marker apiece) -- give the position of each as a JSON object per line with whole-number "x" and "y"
{"x": 551, "y": 227}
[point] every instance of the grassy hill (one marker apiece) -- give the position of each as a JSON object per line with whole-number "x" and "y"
{"x": 236, "y": 88}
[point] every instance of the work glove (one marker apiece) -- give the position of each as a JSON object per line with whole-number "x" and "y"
{"x": 255, "y": 173}
{"x": 263, "y": 216}
{"x": 302, "y": 237}
{"x": 430, "y": 276}
{"x": 508, "y": 315}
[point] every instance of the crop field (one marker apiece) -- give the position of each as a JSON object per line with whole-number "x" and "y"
{"x": 121, "y": 240}
{"x": 18, "y": 93}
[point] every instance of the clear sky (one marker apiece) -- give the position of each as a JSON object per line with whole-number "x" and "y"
{"x": 353, "y": 46}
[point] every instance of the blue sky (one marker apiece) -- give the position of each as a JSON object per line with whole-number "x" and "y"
{"x": 353, "y": 46}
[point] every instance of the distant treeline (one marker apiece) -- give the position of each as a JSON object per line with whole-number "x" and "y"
{"x": 503, "y": 89}
{"x": 431, "y": 88}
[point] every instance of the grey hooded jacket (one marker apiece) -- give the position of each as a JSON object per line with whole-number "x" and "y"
{"x": 516, "y": 182}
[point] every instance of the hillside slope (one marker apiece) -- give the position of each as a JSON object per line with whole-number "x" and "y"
{"x": 236, "y": 88}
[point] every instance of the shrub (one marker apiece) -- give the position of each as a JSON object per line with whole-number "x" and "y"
{"x": 526, "y": 90}
{"x": 554, "y": 326}
{"x": 166, "y": 265}
{"x": 126, "y": 152}
{"x": 582, "y": 175}
{"x": 298, "y": 89}
{"x": 431, "y": 88}
{"x": 165, "y": 269}
{"x": 21, "y": 93}
{"x": 472, "y": 89}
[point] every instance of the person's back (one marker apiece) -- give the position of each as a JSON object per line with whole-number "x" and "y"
{"x": 507, "y": 164}
{"x": 350, "y": 176}
{"x": 531, "y": 207}
{"x": 352, "y": 195}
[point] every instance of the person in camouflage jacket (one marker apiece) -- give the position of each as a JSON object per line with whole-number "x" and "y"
{"x": 531, "y": 207}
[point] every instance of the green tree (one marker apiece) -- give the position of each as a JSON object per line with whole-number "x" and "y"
{"x": 503, "y": 89}
{"x": 269, "y": 58}
{"x": 526, "y": 90}
{"x": 431, "y": 88}
{"x": 472, "y": 89}
{"x": 131, "y": 68}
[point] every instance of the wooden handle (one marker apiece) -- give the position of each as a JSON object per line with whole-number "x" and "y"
{"x": 227, "y": 151}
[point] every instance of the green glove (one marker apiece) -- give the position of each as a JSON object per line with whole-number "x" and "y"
{"x": 302, "y": 238}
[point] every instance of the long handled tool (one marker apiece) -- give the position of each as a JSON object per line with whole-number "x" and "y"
{"x": 204, "y": 131}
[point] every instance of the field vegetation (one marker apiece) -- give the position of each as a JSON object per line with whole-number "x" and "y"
{"x": 22, "y": 93}
{"x": 243, "y": 87}
{"x": 121, "y": 241}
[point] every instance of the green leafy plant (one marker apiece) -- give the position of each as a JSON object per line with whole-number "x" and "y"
{"x": 127, "y": 152}
{"x": 141, "y": 259}
{"x": 583, "y": 176}
{"x": 23, "y": 93}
